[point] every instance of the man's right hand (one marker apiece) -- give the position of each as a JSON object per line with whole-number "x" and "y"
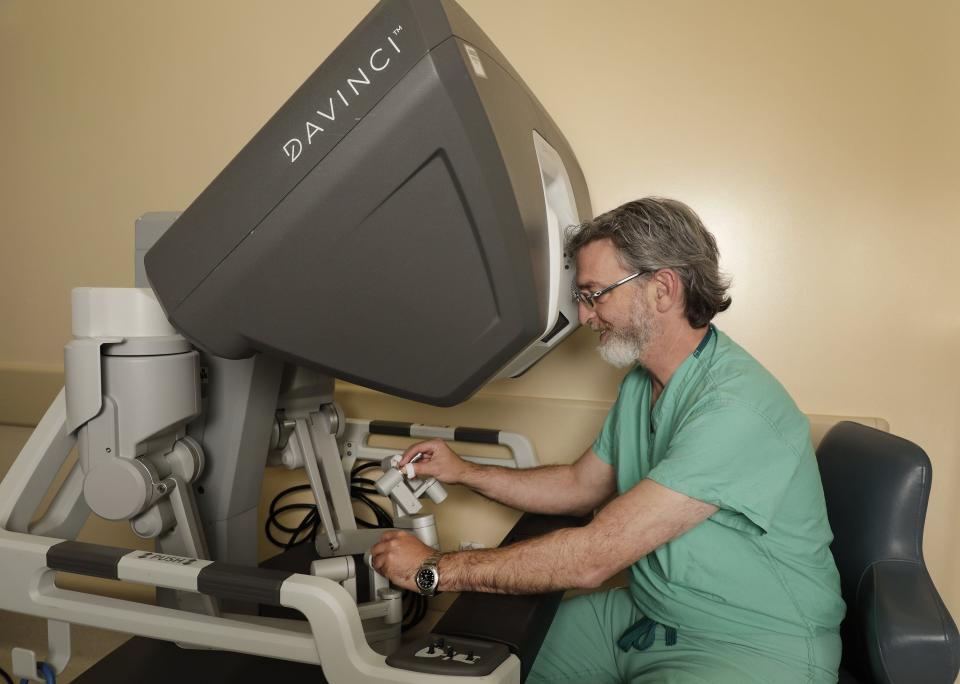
{"x": 438, "y": 461}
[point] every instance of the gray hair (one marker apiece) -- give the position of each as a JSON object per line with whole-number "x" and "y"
{"x": 655, "y": 233}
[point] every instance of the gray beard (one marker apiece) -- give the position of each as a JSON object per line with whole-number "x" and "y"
{"x": 624, "y": 347}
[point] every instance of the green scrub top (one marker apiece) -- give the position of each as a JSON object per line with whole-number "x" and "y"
{"x": 724, "y": 431}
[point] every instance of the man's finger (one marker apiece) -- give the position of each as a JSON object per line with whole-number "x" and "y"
{"x": 416, "y": 469}
{"x": 421, "y": 447}
{"x": 407, "y": 455}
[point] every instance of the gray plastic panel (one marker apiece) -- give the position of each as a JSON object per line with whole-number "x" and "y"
{"x": 147, "y": 231}
{"x": 513, "y": 113}
{"x": 262, "y": 174}
{"x": 408, "y": 251}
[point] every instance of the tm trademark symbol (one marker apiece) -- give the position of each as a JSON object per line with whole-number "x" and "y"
{"x": 397, "y": 30}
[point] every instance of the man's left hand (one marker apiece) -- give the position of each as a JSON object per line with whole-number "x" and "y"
{"x": 398, "y": 556}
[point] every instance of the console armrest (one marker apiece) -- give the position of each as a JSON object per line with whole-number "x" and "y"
{"x": 910, "y": 636}
{"x": 519, "y": 622}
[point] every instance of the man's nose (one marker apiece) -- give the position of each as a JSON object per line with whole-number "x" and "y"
{"x": 585, "y": 313}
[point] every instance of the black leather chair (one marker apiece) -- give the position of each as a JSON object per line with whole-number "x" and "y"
{"x": 897, "y": 629}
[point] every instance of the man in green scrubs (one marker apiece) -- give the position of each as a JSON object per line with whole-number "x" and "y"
{"x": 717, "y": 505}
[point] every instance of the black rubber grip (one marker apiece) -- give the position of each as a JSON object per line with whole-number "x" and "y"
{"x": 479, "y": 435}
{"x": 390, "y": 427}
{"x": 83, "y": 558}
{"x": 226, "y": 580}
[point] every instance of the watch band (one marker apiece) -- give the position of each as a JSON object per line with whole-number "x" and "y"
{"x": 427, "y": 578}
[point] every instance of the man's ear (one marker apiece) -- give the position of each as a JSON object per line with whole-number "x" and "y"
{"x": 668, "y": 289}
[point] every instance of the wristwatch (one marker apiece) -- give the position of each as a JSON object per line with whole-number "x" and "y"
{"x": 427, "y": 578}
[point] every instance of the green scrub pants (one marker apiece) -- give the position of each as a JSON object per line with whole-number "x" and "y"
{"x": 581, "y": 647}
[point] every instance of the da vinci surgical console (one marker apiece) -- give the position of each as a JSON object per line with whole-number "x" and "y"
{"x": 398, "y": 223}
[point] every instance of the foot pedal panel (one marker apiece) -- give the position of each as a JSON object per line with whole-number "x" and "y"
{"x": 456, "y": 656}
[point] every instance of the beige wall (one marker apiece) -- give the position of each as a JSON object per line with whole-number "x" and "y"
{"x": 819, "y": 140}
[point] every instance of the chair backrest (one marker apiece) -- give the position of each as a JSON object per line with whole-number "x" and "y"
{"x": 897, "y": 628}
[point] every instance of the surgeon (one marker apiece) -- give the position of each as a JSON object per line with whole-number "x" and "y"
{"x": 704, "y": 476}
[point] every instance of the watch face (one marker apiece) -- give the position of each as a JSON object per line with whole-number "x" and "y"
{"x": 426, "y": 579}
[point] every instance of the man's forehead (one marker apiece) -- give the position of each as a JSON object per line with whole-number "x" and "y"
{"x": 598, "y": 265}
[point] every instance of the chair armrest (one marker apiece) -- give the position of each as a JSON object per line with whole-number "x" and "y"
{"x": 910, "y": 636}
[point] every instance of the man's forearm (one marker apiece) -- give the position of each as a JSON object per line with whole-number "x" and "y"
{"x": 549, "y": 489}
{"x": 563, "y": 559}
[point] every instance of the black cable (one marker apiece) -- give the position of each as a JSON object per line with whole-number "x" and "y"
{"x": 361, "y": 489}
{"x": 286, "y": 492}
{"x": 361, "y": 467}
{"x": 6, "y": 676}
{"x": 311, "y": 521}
{"x": 291, "y": 507}
{"x": 362, "y": 496}
{"x": 273, "y": 521}
{"x": 375, "y": 525}
{"x": 383, "y": 518}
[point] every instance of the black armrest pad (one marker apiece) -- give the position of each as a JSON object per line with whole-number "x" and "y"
{"x": 519, "y": 622}
{"x": 910, "y": 636}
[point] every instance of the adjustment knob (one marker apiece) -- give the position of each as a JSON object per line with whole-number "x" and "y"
{"x": 119, "y": 488}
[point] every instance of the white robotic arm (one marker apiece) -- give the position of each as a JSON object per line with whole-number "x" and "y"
{"x": 134, "y": 469}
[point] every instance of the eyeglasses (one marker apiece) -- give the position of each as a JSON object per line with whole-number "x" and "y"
{"x": 588, "y": 299}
